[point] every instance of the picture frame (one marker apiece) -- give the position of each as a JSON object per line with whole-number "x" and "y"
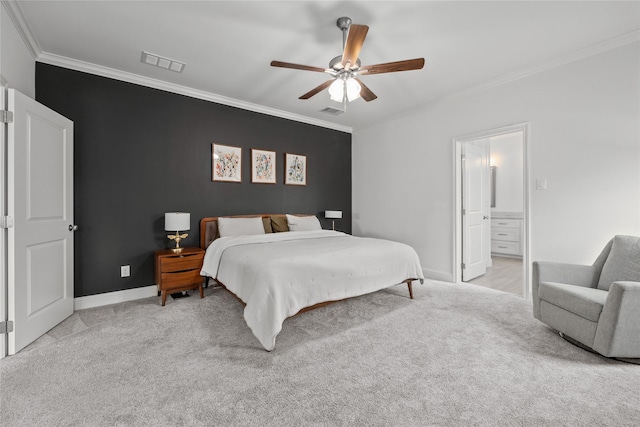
{"x": 226, "y": 163}
{"x": 295, "y": 169}
{"x": 263, "y": 166}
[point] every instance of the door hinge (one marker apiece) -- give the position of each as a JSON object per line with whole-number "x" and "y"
{"x": 6, "y": 116}
{"x": 6, "y": 221}
{"x": 464, "y": 211}
{"x": 463, "y": 266}
{"x": 6, "y": 327}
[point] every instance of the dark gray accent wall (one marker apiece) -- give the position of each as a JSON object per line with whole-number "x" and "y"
{"x": 141, "y": 152}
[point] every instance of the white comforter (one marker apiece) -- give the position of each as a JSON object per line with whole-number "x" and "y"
{"x": 278, "y": 274}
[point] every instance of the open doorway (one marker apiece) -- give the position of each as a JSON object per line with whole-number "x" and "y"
{"x": 491, "y": 209}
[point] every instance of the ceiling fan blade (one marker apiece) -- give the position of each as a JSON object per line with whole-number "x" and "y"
{"x": 317, "y": 89}
{"x": 297, "y": 66}
{"x": 365, "y": 92}
{"x": 355, "y": 39}
{"x": 392, "y": 67}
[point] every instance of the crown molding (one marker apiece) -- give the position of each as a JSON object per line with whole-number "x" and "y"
{"x": 613, "y": 43}
{"x": 86, "y": 67}
{"x": 17, "y": 17}
{"x": 15, "y": 13}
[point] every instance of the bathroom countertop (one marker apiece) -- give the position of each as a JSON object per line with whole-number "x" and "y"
{"x": 506, "y": 215}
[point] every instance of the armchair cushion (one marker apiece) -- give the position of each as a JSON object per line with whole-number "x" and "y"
{"x": 571, "y": 274}
{"x": 585, "y": 302}
{"x": 623, "y": 262}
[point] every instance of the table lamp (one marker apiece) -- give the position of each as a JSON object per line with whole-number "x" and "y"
{"x": 333, "y": 215}
{"x": 177, "y": 221}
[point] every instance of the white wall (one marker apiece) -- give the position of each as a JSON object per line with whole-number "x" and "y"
{"x": 17, "y": 66}
{"x": 506, "y": 156}
{"x": 584, "y": 139}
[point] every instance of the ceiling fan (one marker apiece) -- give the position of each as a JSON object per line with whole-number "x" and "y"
{"x": 345, "y": 85}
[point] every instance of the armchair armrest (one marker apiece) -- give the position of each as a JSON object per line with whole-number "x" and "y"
{"x": 618, "y": 332}
{"x": 571, "y": 274}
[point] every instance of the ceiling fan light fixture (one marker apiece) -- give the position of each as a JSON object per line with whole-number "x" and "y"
{"x": 336, "y": 90}
{"x": 353, "y": 89}
{"x": 345, "y": 86}
{"x": 344, "y": 89}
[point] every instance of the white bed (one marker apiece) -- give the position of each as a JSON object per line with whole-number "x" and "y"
{"x": 277, "y": 275}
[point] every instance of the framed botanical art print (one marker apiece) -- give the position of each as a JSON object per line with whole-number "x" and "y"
{"x": 295, "y": 169}
{"x": 263, "y": 166}
{"x": 227, "y": 163}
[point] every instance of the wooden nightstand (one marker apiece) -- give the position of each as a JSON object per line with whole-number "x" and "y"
{"x": 178, "y": 271}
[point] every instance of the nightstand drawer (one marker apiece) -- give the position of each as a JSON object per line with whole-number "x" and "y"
{"x": 171, "y": 280}
{"x": 181, "y": 263}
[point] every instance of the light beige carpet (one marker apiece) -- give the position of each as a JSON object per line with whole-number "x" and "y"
{"x": 456, "y": 355}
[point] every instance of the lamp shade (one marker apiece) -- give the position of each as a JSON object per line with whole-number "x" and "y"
{"x": 177, "y": 221}
{"x": 333, "y": 214}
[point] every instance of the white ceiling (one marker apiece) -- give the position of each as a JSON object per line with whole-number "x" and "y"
{"x": 228, "y": 45}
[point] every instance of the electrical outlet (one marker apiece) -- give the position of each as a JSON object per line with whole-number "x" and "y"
{"x": 125, "y": 271}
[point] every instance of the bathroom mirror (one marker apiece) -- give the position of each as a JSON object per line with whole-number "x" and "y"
{"x": 493, "y": 186}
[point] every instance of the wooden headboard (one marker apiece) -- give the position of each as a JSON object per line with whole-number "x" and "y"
{"x": 209, "y": 226}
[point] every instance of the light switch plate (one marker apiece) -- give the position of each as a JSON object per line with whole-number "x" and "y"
{"x": 541, "y": 184}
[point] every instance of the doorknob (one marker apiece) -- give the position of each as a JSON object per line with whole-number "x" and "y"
{"x": 485, "y": 217}
{"x": 73, "y": 227}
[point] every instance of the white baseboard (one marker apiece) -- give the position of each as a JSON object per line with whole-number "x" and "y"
{"x": 443, "y": 276}
{"x": 107, "y": 298}
{"x": 90, "y": 301}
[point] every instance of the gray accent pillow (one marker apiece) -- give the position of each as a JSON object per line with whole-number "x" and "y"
{"x": 623, "y": 263}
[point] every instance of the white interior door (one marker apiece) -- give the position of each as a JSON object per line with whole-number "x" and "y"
{"x": 3, "y": 232}
{"x": 40, "y": 200}
{"x": 475, "y": 211}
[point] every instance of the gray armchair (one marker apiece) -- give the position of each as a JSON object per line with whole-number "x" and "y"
{"x": 597, "y": 305}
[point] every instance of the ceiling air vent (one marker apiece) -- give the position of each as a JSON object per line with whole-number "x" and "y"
{"x": 332, "y": 111}
{"x": 159, "y": 61}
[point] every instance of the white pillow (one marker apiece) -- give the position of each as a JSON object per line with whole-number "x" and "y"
{"x": 240, "y": 226}
{"x": 303, "y": 223}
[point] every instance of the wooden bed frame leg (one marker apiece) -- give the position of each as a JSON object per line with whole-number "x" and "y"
{"x": 410, "y": 289}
